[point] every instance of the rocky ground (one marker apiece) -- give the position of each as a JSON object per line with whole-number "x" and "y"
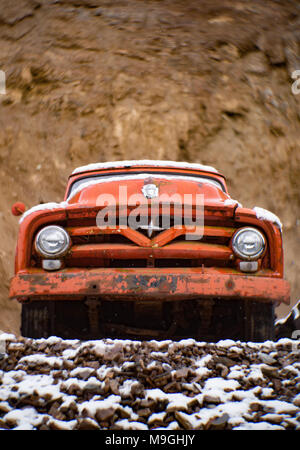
{"x": 200, "y": 81}
{"x": 136, "y": 385}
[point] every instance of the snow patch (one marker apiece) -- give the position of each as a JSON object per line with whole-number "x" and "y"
{"x": 39, "y": 360}
{"x": 125, "y": 424}
{"x": 91, "y": 407}
{"x": 143, "y": 162}
{"x": 220, "y": 384}
{"x": 24, "y": 419}
{"x": 126, "y": 388}
{"x": 43, "y": 207}
{"x": 233, "y": 400}
{"x": 231, "y": 201}
{"x": 264, "y": 214}
{"x": 226, "y": 343}
{"x": 258, "y": 426}
{"x": 255, "y": 375}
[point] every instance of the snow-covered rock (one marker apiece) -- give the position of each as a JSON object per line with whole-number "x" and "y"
{"x": 135, "y": 385}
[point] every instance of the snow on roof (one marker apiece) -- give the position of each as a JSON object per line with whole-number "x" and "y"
{"x": 143, "y": 162}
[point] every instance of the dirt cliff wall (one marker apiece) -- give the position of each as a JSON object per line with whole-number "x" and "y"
{"x": 200, "y": 81}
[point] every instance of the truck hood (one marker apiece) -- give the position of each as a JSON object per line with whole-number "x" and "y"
{"x": 122, "y": 190}
{"x": 132, "y": 188}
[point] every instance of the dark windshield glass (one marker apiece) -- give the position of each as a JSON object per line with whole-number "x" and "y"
{"x": 95, "y": 179}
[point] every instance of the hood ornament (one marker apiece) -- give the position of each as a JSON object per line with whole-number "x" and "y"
{"x": 150, "y": 190}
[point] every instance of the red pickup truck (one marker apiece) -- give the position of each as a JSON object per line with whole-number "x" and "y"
{"x": 148, "y": 249}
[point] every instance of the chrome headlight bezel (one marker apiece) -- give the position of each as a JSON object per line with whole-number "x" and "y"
{"x": 55, "y": 254}
{"x": 238, "y": 252}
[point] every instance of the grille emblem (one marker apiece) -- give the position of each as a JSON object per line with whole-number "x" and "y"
{"x": 150, "y": 190}
{"x": 150, "y": 228}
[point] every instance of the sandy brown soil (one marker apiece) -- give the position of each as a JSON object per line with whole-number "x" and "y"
{"x": 201, "y": 81}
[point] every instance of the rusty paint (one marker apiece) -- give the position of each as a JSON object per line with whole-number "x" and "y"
{"x": 168, "y": 284}
{"x": 176, "y": 250}
{"x": 229, "y": 284}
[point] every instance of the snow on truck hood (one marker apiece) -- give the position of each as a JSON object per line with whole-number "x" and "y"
{"x": 144, "y": 162}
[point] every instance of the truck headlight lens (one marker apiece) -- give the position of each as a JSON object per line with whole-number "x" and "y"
{"x": 248, "y": 243}
{"x": 52, "y": 241}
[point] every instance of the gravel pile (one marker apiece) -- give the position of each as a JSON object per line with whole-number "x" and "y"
{"x": 135, "y": 385}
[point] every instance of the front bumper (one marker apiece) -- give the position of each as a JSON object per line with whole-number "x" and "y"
{"x": 143, "y": 284}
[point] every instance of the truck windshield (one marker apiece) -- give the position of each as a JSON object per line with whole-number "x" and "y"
{"x": 95, "y": 179}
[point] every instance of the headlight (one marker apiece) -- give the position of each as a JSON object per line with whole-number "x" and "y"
{"x": 248, "y": 243}
{"x": 52, "y": 241}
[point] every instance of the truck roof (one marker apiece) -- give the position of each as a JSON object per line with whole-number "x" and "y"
{"x": 144, "y": 163}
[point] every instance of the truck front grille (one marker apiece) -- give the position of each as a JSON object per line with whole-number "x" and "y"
{"x": 117, "y": 247}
